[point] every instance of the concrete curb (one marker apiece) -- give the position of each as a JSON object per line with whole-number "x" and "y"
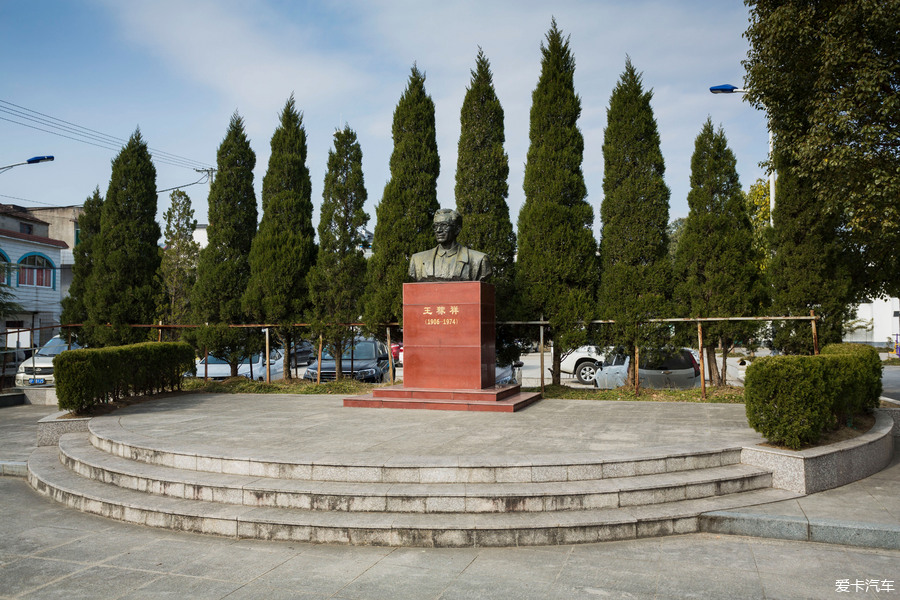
{"x": 826, "y": 531}
{"x": 13, "y": 468}
{"x": 818, "y": 469}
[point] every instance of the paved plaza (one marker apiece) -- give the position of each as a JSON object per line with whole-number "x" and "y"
{"x": 48, "y": 551}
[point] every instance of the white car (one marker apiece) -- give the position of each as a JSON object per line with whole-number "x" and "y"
{"x": 38, "y": 370}
{"x": 218, "y": 369}
{"x": 583, "y": 363}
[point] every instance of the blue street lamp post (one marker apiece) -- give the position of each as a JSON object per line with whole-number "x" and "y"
{"x": 731, "y": 89}
{"x": 31, "y": 161}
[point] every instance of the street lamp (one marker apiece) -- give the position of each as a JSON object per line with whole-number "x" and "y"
{"x": 727, "y": 88}
{"x": 31, "y": 161}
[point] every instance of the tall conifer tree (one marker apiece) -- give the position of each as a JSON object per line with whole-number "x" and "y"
{"x": 636, "y": 283}
{"x": 284, "y": 248}
{"x": 337, "y": 280}
{"x": 810, "y": 267}
{"x": 407, "y": 206}
{"x": 715, "y": 262}
{"x": 224, "y": 268}
{"x": 178, "y": 270}
{"x": 74, "y": 309}
{"x": 557, "y": 265}
{"x": 482, "y": 170}
{"x": 123, "y": 288}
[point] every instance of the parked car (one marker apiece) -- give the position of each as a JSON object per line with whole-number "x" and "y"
{"x": 218, "y": 369}
{"x": 38, "y": 369}
{"x": 665, "y": 368}
{"x": 366, "y": 360}
{"x": 509, "y": 374}
{"x": 583, "y": 363}
{"x": 302, "y": 353}
{"x": 395, "y": 351}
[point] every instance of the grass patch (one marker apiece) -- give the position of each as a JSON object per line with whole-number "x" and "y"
{"x": 891, "y": 362}
{"x": 724, "y": 395}
{"x": 242, "y": 385}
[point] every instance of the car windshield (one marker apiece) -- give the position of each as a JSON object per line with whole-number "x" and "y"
{"x": 362, "y": 351}
{"x": 55, "y": 346}
{"x": 213, "y": 360}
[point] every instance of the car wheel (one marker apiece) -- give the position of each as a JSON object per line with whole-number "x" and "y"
{"x": 585, "y": 372}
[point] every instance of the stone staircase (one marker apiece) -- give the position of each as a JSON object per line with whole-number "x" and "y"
{"x": 412, "y": 501}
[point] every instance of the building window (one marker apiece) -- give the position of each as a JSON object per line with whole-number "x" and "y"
{"x": 26, "y": 228}
{"x": 35, "y": 270}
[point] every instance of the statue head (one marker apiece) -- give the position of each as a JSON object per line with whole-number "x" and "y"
{"x": 447, "y": 225}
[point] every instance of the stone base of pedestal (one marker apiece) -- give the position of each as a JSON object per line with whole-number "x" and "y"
{"x": 503, "y": 398}
{"x": 450, "y": 353}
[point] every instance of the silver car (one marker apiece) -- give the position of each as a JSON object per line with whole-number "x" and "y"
{"x": 664, "y": 368}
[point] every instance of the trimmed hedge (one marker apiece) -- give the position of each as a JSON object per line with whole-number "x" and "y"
{"x": 90, "y": 376}
{"x": 792, "y": 400}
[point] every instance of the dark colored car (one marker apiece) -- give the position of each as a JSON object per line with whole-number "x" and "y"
{"x": 366, "y": 360}
{"x": 302, "y": 353}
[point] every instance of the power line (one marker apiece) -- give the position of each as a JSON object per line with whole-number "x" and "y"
{"x": 85, "y": 135}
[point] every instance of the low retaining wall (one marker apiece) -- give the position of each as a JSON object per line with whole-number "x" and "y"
{"x": 827, "y": 467}
{"x": 40, "y": 395}
{"x": 52, "y": 427}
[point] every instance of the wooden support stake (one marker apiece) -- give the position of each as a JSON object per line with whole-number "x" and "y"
{"x": 702, "y": 361}
{"x": 815, "y": 332}
{"x": 637, "y": 379}
{"x": 319, "y": 362}
{"x": 542, "y": 356}
{"x": 390, "y": 355}
{"x": 268, "y": 359}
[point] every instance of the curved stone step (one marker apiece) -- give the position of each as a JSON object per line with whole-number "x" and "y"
{"x": 83, "y": 458}
{"x": 108, "y": 435}
{"x": 50, "y": 477}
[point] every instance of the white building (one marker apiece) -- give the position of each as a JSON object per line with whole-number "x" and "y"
{"x": 34, "y": 273}
{"x": 878, "y": 323}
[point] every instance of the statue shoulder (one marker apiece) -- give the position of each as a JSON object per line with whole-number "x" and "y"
{"x": 475, "y": 255}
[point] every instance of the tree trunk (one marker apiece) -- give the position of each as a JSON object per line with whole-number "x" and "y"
{"x": 338, "y": 361}
{"x": 286, "y": 367}
{"x": 726, "y": 347}
{"x": 713, "y": 367}
{"x": 556, "y": 362}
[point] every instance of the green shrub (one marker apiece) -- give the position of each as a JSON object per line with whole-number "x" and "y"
{"x": 861, "y": 381}
{"x": 91, "y": 376}
{"x": 791, "y": 400}
{"x": 786, "y": 399}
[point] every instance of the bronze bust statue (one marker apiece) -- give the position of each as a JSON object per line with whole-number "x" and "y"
{"x": 449, "y": 261}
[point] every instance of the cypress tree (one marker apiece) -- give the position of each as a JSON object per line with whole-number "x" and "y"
{"x": 407, "y": 206}
{"x": 482, "y": 170}
{"x": 123, "y": 287}
{"x": 284, "y": 247}
{"x": 810, "y": 268}
{"x": 557, "y": 265}
{"x": 74, "y": 309}
{"x": 715, "y": 262}
{"x": 337, "y": 280}
{"x": 178, "y": 269}
{"x": 636, "y": 283}
{"x": 223, "y": 270}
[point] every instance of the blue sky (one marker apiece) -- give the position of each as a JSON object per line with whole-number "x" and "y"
{"x": 179, "y": 69}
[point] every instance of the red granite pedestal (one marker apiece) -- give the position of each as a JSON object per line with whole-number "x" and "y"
{"x": 449, "y": 353}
